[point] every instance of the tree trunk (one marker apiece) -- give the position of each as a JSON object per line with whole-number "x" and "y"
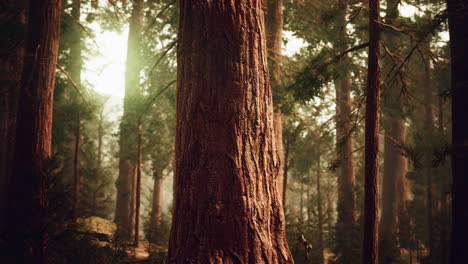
{"x": 125, "y": 208}
{"x": 344, "y": 142}
{"x": 13, "y": 14}
{"x": 227, "y": 208}
{"x": 136, "y": 238}
{"x": 99, "y": 162}
{"x": 428, "y": 137}
{"x": 285, "y": 172}
{"x": 458, "y": 19}
{"x": 157, "y": 201}
{"x": 395, "y": 187}
{"x": 76, "y": 180}
{"x": 395, "y": 184}
{"x": 370, "y": 245}
{"x": 274, "y": 38}
{"x": 320, "y": 212}
{"x": 27, "y": 196}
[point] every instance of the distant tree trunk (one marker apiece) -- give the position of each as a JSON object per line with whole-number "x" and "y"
{"x": 301, "y": 202}
{"x": 99, "y": 162}
{"x": 13, "y": 13}
{"x": 155, "y": 218}
{"x": 75, "y": 74}
{"x": 27, "y": 191}
{"x": 395, "y": 185}
{"x": 125, "y": 209}
{"x": 458, "y": 19}
{"x": 344, "y": 142}
{"x": 428, "y": 137}
{"x": 227, "y": 208}
{"x": 285, "y": 172}
{"x": 329, "y": 203}
{"x": 76, "y": 179}
{"x": 371, "y": 192}
{"x": 138, "y": 188}
{"x": 274, "y": 36}
{"x": 320, "y": 212}
{"x": 75, "y": 47}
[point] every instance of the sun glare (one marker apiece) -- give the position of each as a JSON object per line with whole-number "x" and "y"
{"x": 105, "y": 70}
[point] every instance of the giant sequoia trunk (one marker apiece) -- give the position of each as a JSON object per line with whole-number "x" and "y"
{"x": 458, "y": 21}
{"x": 395, "y": 184}
{"x": 274, "y": 35}
{"x": 370, "y": 245}
{"x": 227, "y": 208}
{"x": 27, "y": 193}
{"x": 344, "y": 146}
{"x": 12, "y": 15}
{"x": 125, "y": 209}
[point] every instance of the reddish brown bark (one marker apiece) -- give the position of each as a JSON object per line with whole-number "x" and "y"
{"x": 227, "y": 208}
{"x": 27, "y": 196}
{"x": 458, "y": 21}
{"x": 125, "y": 207}
{"x": 13, "y": 13}
{"x": 371, "y": 192}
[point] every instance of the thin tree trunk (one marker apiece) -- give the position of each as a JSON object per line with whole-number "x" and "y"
{"x": 370, "y": 241}
{"x": 395, "y": 184}
{"x": 227, "y": 207}
{"x": 428, "y": 131}
{"x": 99, "y": 162}
{"x": 10, "y": 75}
{"x": 320, "y": 212}
{"x": 285, "y": 172}
{"x": 76, "y": 180}
{"x": 138, "y": 188}
{"x": 156, "y": 207}
{"x": 344, "y": 142}
{"x": 458, "y": 19}
{"x": 27, "y": 196}
{"x": 301, "y": 202}
{"x": 125, "y": 207}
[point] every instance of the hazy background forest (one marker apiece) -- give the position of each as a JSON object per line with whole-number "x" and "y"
{"x": 110, "y": 181}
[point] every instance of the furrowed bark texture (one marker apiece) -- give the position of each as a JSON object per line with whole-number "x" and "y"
{"x": 371, "y": 192}
{"x": 27, "y": 196}
{"x": 344, "y": 146}
{"x": 458, "y": 21}
{"x": 274, "y": 36}
{"x": 227, "y": 208}
{"x": 12, "y": 35}
{"x": 125, "y": 207}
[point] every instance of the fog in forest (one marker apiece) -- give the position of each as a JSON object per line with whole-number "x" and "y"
{"x": 233, "y": 132}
